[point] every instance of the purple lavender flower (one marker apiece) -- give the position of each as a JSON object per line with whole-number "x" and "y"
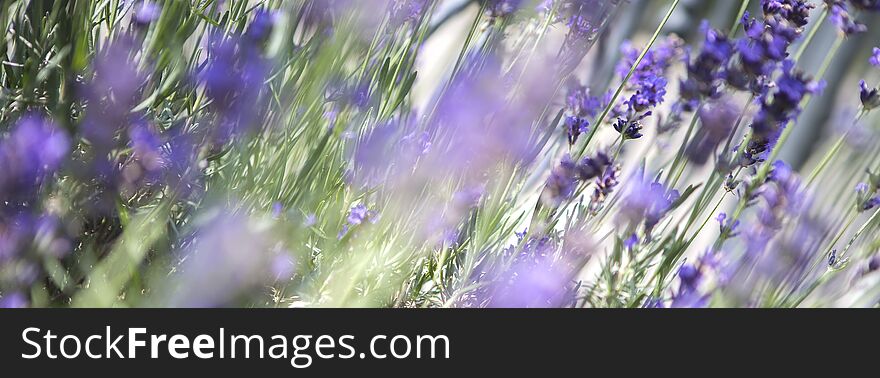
{"x": 357, "y": 215}
{"x": 706, "y": 70}
{"x": 234, "y": 81}
{"x": 870, "y": 97}
{"x": 688, "y": 294}
{"x": 574, "y": 127}
{"x": 791, "y": 87}
{"x": 766, "y": 43}
{"x": 647, "y": 84}
{"x": 403, "y": 11}
{"x": 645, "y": 202}
{"x": 841, "y": 18}
{"x": 226, "y": 258}
{"x": 14, "y": 300}
{"x": 502, "y": 8}
{"x": 562, "y": 183}
{"x": 580, "y": 106}
{"x": 585, "y": 20}
{"x": 261, "y": 27}
{"x": 717, "y": 119}
{"x": 568, "y": 175}
{"x": 145, "y": 12}
{"x": 868, "y": 5}
{"x": 542, "y": 273}
{"x": 35, "y": 149}
{"x": 875, "y": 57}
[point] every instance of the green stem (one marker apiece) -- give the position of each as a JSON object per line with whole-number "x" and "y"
{"x": 834, "y": 150}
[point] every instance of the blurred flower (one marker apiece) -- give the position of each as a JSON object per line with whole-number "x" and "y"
{"x": 688, "y": 294}
{"x": 229, "y": 257}
{"x": 13, "y": 300}
{"x": 706, "y": 70}
{"x": 868, "y": 5}
{"x": 585, "y": 20}
{"x": 233, "y": 78}
{"x": 875, "y": 57}
{"x": 34, "y": 150}
{"x": 645, "y": 202}
{"x": 146, "y": 11}
{"x": 502, "y": 8}
{"x": 403, "y": 11}
{"x": 717, "y": 119}
{"x": 841, "y": 18}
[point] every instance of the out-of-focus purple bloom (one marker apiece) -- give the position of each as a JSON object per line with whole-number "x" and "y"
{"x": 228, "y": 257}
{"x": 875, "y": 57}
{"x": 568, "y": 175}
{"x": 403, "y": 11}
{"x": 542, "y": 274}
{"x": 502, "y": 8}
{"x": 234, "y": 81}
{"x": 717, "y": 119}
{"x": 727, "y": 228}
{"x": 14, "y": 300}
{"x": 261, "y": 27}
{"x": 707, "y": 69}
{"x": 868, "y": 193}
{"x": 688, "y": 294}
{"x": 841, "y": 18}
{"x": 562, "y": 183}
{"x": 357, "y": 215}
{"x": 868, "y": 5}
{"x": 146, "y": 11}
{"x": 585, "y": 19}
{"x": 631, "y": 241}
{"x": 645, "y": 202}
{"x": 35, "y": 149}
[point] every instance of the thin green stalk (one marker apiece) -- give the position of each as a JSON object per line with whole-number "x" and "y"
{"x": 834, "y": 150}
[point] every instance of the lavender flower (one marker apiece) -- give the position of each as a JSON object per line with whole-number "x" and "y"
{"x": 868, "y": 194}
{"x": 717, "y": 119}
{"x": 146, "y": 11}
{"x": 706, "y": 70}
{"x": 233, "y": 80}
{"x": 647, "y": 84}
{"x": 868, "y": 5}
{"x": 580, "y": 106}
{"x": 403, "y": 11}
{"x": 34, "y": 150}
{"x": 870, "y": 97}
{"x": 875, "y": 57}
{"x": 585, "y": 20}
{"x": 645, "y": 202}
{"x": 791, "y": 87}
{"x": 502, "y": 8}
{"x": 841, "y": 18}
{"x": 766, "y": 43}
{"x": 568, "y": 175}
{"x": 688, "y": 294}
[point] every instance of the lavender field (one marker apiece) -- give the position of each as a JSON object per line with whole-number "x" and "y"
{"x": 440, "y": 153}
